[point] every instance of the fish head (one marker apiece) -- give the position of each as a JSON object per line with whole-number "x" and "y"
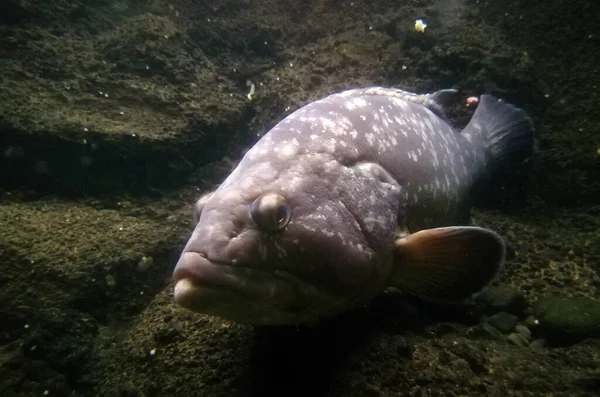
{"x": 292, "y": 244}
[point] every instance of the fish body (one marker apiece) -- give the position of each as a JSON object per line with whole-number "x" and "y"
{"x": 350, "y": 194}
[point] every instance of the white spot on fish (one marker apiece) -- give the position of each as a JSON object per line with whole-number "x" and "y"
{"x": 370, "y": 138}
{"x": 287, "y": 152}
{"x": 359, "y": 102}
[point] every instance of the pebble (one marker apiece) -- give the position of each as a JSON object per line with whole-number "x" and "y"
{"x": 524, "y": 332}
{"x": 517, "y": 339}
{"x": 531, "y": 322}
{"x": 491, "y": 330}
{"x": 503, "y": 321}
{"x": 538, "y": 343}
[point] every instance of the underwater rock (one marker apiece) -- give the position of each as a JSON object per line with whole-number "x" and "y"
{"x": 565, "y": 320}
{"x": 497, "y": 299}
{"x": 538, "y": 344}
{"x": 524, "y": 332}
{"x": 517, "y": 339}
{"x": 503, "y": 321}
{"x": 491, "y": 330}
{"x": 11, "y": 353}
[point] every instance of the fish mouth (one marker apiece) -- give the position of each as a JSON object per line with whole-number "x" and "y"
{"x": 195, "y": 270}
{"x": 241, "y": 292}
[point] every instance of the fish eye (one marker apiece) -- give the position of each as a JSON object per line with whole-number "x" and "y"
{"x": 270, "y": 212}
{"x": 199, "y": 206}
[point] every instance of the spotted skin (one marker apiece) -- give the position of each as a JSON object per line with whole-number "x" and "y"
{"x": 356, "y": 169}
{"x": 435, "y": 165}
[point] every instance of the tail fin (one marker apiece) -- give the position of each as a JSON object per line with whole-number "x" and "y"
{"x": 505, "y": 131}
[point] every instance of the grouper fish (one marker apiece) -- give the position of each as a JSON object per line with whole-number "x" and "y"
{"x": 350, "y": 194}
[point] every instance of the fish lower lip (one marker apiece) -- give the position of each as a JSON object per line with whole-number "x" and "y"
{"x": 222, "y": 288}
{"x": 198, "y": 268}
{"x": 201, "y": 282}
{"x": 208, "y": 274}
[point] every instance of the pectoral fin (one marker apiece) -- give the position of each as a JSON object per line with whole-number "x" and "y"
{"x": 449, "y": 263}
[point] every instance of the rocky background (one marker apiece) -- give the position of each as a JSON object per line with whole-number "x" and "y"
{"x": 115, "y": 116}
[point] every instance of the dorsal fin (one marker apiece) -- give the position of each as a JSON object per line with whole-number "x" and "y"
{"x": 438, "y": 102}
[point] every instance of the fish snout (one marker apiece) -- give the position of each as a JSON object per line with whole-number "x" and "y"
{"x": 190, "y": 271}
{"x": 189, "y": 265}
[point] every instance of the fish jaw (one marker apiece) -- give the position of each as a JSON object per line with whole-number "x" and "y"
{"x": 246, "y": 294}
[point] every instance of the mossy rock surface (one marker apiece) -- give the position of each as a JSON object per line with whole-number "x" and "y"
{"x": 567, "y": 319}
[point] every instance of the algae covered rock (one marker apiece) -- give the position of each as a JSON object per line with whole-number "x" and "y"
{"x": 502, "y": 299}
{"x": 504, "y": 322}
{"x": 566, "y": 320}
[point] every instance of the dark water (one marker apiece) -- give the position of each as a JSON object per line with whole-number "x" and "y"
{"x": 116, "y": 116}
